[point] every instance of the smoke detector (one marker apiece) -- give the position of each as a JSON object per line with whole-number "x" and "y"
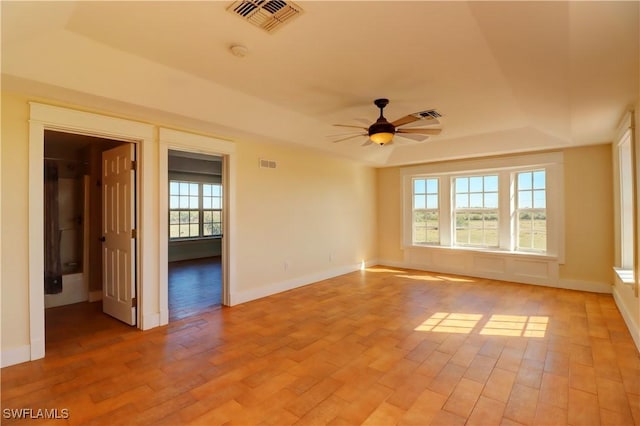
{"x": 239, "y": 50}
{"x": 266, "y": 14}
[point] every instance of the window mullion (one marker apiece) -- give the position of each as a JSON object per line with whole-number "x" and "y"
{"x": 505, "y": 212}
{"x": 200, "y": 210}
{"x": 446, "y": 230}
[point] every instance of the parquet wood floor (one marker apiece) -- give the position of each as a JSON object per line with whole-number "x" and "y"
{"x": 378, "y": 347}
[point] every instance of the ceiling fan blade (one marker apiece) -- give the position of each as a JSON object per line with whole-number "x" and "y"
{"x": 367, "y": 142}
{"x": 420, "y": 131}
{"x": 351, "y": 137}
{"x": 350, "y": 125}
{"x": 429, "y": 121}
{"x": 337, "y": 135}
{"x": 414, "y": 137}
{"x": 405, "y": 120}
{"x": 363, "y": 121}
{"x": 416, "y": 116}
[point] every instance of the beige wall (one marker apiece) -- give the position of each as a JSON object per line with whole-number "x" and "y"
{"x": 389, "y": 214}
{"x": 588, "y": 214}
{"x": 15, "y": 178}
{"x": 636, "y": 148}
{"x": 589, "y": 255}
{"x": 313, "y": 211}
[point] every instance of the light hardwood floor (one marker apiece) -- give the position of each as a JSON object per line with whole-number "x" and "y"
{"x": 378, "y": 347}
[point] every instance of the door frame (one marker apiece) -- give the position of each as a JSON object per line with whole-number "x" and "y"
{"x": 46, "y": 117}
{"x": 188, "y": 142}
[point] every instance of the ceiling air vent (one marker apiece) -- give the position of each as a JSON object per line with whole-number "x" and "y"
{"x": 266, "y": 14}
{"x": 430, "y": 113}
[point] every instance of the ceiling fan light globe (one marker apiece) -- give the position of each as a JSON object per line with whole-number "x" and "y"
{"x": 381, "y": 138}
{"x": 381, "y": 132}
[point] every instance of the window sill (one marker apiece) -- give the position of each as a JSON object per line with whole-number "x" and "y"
{"x": 188, "y": 240}
{"x": 625, "y": 275}
{"x": 492, "y": 251}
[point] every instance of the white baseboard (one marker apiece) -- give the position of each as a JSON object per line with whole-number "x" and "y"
{"x": 632, "y": 325}
{"x": 593, "y": 287}
{"x": 258, "y": 293}
{"x": 14, "y": 356}
{"x": 95, "y": 296}
{"x": 590, "y": 286}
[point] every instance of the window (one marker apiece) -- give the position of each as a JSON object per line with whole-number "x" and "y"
{"x": 626, "y": 201}
{"x": 510, "y": 204}
{"x": 531, "y": 211}
{"x": 425, "y": 212}
{"x": 195, "y": 209}
{"x": 184, "y": 214}
{"x": 476, "y": 210}
{"x": 211, "y": 209}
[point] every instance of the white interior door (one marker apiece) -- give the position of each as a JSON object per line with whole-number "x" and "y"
{"x": 118, "y": 239}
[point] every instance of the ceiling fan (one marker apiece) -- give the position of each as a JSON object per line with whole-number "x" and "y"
{"x": 382, "y": 131}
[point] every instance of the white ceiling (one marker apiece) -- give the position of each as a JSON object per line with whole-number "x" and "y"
{"x": 507, "y": 76}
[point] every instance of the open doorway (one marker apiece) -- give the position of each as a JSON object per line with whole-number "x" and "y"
{"x": 195, "y": 230}
{"x": 76, "y": 206}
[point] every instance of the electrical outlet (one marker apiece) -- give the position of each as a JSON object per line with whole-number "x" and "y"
{"x": 331, "y": 258}
{"x": 286, "y": 264}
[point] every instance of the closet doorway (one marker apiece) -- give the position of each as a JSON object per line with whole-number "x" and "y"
{"x": 195, "y": 230}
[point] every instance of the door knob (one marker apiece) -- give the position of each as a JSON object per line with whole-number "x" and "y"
{"x": 103, "y": 238}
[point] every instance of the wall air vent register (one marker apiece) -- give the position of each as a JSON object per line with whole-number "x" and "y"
{"x": 268, "y": 164}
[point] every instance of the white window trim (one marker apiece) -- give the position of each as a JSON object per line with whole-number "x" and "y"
{"x": 517, "y": 210}
{"x": 483, "y": 210}
{"x": 200, "y": 210}
{"x": 625, "y": 249}
{"x": 437, "y": 210}
{"x": 552, "y": 162}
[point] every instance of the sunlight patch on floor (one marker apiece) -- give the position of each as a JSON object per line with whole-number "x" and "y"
{"x": 381, "y": 269}
{"x": 497, "y": 325}
{"x": 457, "y": 279}
{"x": 420, "y": 277}
{"x": 516, "y": 325}
{"x": 444, "y": 322}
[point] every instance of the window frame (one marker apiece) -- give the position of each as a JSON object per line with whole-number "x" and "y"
{"x": 200, "y": 209}
{"x": 625, "y": 202}
{"x": 212, "y": 209}
{"x": 506, "y": 168}
{"x": 533, "y": 210}
{"x": 469, "y": 209}
{"x": 426, "y": 209}
{"x": 188, "y": 210}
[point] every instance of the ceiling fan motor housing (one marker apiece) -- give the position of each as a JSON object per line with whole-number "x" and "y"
{"x": 381, "y": 126}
